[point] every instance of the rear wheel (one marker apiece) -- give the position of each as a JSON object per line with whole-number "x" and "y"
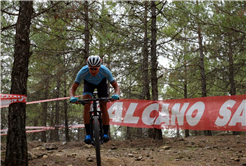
{"x": 97, "y": 140}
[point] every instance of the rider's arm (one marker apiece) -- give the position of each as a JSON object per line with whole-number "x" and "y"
{"x": 73, "y": 89}
{"x": 116, "y": 88}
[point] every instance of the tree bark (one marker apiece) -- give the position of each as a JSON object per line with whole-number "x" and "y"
{"x": 87, "y": 32}
{"x": 128, "y": 133}
{"x": 231, "y": 70}
{"x": 16, "y": 150}
{"x": 202, "y": 71}
{"x": 45, "y": 107}
{"x": 57, "y": 108}
{"x": 154, "y": 80}
{"x": 145, "y": 66}
{"x": 187, "y": 132}
{"x": 52, "y": 122}
{"x": 231, "y": 76}
{"x": 202, "y": 68}
{"x": 146, "y": 93}
{"x": 66, "y": 106}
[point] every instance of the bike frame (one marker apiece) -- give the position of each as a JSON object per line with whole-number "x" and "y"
{"x": 95, "y": 111}
{"x": 95, "y": 123}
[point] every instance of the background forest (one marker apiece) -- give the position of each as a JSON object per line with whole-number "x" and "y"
{"x": 155, "y": 50}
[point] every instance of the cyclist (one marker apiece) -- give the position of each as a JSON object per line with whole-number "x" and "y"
{"x": 95, "y": 75}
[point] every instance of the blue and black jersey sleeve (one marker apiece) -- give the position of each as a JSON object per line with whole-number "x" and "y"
{"x": 111, "y": 82}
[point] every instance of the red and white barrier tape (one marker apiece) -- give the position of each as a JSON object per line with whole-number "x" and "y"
{"x": 43, "y": 128}
{"x": 42, "y": 101}
{"x": 7, "y": 99}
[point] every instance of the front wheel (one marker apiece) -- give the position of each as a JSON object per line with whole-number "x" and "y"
{"x": 97, "y": 140}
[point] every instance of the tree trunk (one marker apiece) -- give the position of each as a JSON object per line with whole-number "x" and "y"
{"x": 35, "y": 135}
{"x": 52, "y": 116}
{"x": 65, "y": 102}
{"x": 146, "y": 88}
{"x": 57, "y": 108}
{"x": 154, "y": 79}
{"x": 45, "y": 107}
{"x": 128, "y": 133}
{"x": 231, "y": 70}
{"x": 1, "y": 124}
{"x": 231, "y": 76}
{"x": 65, "y": 112}
{"x": 202, "y": 71}
{"x": 187, "y": 134}
{"x": 16, "y": 150}
{"x": 87, "y": 32}
{"x": 145, "y": 66}
{"x": 139, "y": 133}
{"x": 178, "y": 133}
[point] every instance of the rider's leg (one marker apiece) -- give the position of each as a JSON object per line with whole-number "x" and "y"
{"x": 105, "y": 121}
{"x": 105, "y": 117}
{"x": 103, "y": 92}
{"x": 87, "y": 94}
{"x": 86, "y": 114}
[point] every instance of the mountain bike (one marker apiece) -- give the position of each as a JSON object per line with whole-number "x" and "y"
{"x": 95, "y": 123}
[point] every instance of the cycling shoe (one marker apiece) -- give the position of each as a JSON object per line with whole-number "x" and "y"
{"x": 105, "y": 138}
{"x": 87, "y": 139}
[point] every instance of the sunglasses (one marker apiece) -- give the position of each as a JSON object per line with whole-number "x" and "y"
{"x": 94, "y": 68}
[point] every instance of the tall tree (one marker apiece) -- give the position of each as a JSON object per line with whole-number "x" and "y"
{"x": 87, "y": 31}
{"x": 57, "y": 107}
{"x": 44, "y": 112}
{"x": 202, "y": 67}
{"x": 146, "y": 88}
{"x": 154, "y": 79}
{"x": 232, "y": 37}
{"x": 16, "y": 153}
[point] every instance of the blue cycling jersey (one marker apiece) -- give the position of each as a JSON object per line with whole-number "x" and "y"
{"x": 104, "y": 72}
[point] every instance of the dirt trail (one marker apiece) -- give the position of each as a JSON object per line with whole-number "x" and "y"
{"x": 202, "y": 150}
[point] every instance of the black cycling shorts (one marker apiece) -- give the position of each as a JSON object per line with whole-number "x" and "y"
{"x": 102, "y": 88}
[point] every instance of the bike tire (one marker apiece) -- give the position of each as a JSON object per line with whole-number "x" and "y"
{"x": 97, "y": 140}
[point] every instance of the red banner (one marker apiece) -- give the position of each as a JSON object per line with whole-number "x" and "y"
{"x": 226, "y": 113}
{"x": 206, "y": 113}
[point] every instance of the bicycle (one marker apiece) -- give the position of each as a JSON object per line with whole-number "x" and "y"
{"x": 95, "y": 123}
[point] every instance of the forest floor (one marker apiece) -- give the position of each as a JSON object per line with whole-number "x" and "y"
{"x": 220, "y": 150}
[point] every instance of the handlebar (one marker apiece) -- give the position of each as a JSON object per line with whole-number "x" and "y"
{"x": 85, "y": 101}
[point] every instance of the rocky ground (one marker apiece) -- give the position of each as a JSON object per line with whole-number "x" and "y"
{"x": 193, "y": 151}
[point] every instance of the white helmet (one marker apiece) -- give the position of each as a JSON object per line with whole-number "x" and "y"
{"x": 94, "y": 60}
